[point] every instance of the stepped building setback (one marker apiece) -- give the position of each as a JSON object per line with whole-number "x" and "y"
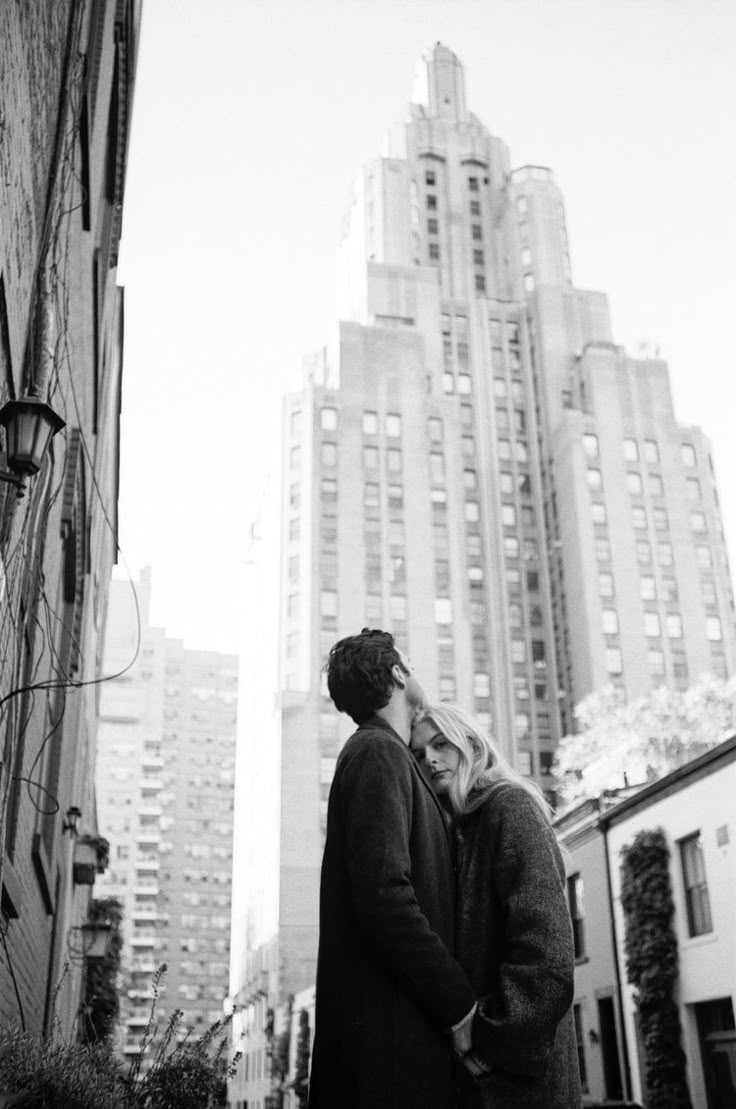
{"x": 478, "y": 467}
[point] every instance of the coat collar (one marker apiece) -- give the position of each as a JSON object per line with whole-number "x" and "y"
{"x": 377, "y": 721}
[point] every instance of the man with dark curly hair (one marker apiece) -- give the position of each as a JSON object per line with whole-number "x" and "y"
{"x": 391, "y": 998}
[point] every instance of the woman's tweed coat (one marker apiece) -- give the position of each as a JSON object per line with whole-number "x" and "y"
{"x": 514, "y": 938}
{"x": 387, "y": 983}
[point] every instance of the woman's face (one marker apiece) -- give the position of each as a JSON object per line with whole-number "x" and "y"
{"x": 435, "y": 754}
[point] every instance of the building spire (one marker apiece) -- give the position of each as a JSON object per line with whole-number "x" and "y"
{"x": 439, "y": 83}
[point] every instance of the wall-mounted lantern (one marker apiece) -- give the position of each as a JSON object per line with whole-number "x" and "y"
{"x": 29, "y": 424}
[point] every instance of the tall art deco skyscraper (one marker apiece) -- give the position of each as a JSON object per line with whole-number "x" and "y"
{"x": 479, "y": 468}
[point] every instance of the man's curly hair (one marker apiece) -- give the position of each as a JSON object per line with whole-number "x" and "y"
{"x": 359, "y": 673}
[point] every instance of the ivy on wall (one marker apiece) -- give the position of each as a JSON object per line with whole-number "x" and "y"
{"x": 650, "y": 947}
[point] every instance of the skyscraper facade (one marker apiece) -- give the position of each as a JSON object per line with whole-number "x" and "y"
{"x": 479, "y": 468}
{"x": 165, "y": 776}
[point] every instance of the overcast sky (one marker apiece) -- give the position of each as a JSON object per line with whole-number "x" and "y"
{"x": 250, "y": 119}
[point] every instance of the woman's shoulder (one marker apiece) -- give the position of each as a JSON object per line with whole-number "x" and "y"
{"x": 507, "y": 802}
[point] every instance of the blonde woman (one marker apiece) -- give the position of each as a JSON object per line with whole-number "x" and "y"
{"x": 513, "y": 930}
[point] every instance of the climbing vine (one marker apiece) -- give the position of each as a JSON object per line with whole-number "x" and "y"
{"x": 650, "y": 947}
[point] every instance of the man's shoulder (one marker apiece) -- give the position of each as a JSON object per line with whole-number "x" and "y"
{"x": 374, "y": 743}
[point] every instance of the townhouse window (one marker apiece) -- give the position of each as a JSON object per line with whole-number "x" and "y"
{"x": 580, "y": 1041}
{"x": 697, "y": 901}
{"x": 328, "y": 418}
{"x": 590, "y": 445}
{"x": 576, "y": 901}
{"x": 631, "y": 450}
{"x": 370, "y": 423}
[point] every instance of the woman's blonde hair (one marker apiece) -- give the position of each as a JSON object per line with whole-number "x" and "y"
{"x": 481, "y": 764}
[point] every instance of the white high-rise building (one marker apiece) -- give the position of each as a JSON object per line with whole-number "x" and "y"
{"x": 477, "y": 467}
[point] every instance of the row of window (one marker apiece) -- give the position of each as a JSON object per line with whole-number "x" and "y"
{"x": 634, "y": 451}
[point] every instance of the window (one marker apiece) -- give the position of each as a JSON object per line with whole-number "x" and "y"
{"x": 526, "y": 257}
{"x": 296, "y": 424}
{"x": 665, "y": 556}
{"x": 395, "y": 496}
{"x": 520, "y": 451}
{"x": 688, "y": 455}
{"x": 506, "y": 482}
{"x": 521, "y": 725}
{"x": 508, "y": 515}
{"x": 473, "y": 546}
{"x": 631, "y": 450}
{"x": 397, "y": 609}
{"x": 576, "y": 901}
{"x": 651, "y": 452}
{"x": 329, "y": 454}
{"x": 478, "y": 257}
{"x": 515, "y": 615}
{"x": 610, "y": 621}
{"x": 651, "y": 625}
{"x": 431, "y": 202}
{"x": 661, "y": 519}
{"x": 480, "y": 283}
{"x": 481, "y": 685}
{"x": 709, "y": 592}
{"x": 294, "y": 568}
{"x": 692, "y": 489}
{"x": 370, "y": 423}
{"x": 647, "y": 588}
{"x": 430, "y": 178}
{"x": 603, "y": 550}
{"x": 470, "y": 480}
{"x": 373, "y": 607}
{"x": 294, "y": 529}
{"x": 475, "y": 207}
{"x": 475, "y": 575}
{"x": 448, "y": 689}
{"x": 518, "y": 650}
{"x": 393, "y": 459}
{"x": 294, "y": 495}
{"x": 473, "y": 184}
{"x": 521, "y": 205}
{"x": 370, "y": 458}
{"x": 639, "y": 516}
{"x": 704, "y": 557}
{"x": 655, "y": 662}
{"x": 434, "y": 252}
{"x": 598, "y": 513}
{"x": 393, "y": 425}
{"x": 713, "y": 629}
{"x": 590, "y": 445}
{"x": 538, "y": 654}
{"x": 614, "y": 663}
{"x": 448, "y": 383}
{"x": 643, "y": 552}
{"x": 432, "y": 226}
{"x": 328, "y": 603}
{"x": 656, "y": 488}
{"x": 528, "y": 282}
{"x": 467, "y": 444}
{"x": 605, "y": 585}
{"x": 435, "y": 429}
{"x": 463, "y": 384}
{"x": 442, "y": 610}
{"x": 472, "y": 512}
{"x": 594, "y": 479}
{"x": 328, "y": 418}
{"x": 633, "y": 483}
{"x": 295, "y": 458}
{"x": 438, "y": 498}
{"x": 669, "y": 588}
{"x": 477, "y": 233}
{"x": 532, "y": 580}
{"x": 531, "y": 549}
{"x": 437, "y": 468}
{"x": 442, "y": 577}
{"x": 511, "y": 546}
{"x": 697, "y": 522}
{"x": 371, "y": 494}
{"x": 673, "y": 624}
{"x": 696, "y": 886}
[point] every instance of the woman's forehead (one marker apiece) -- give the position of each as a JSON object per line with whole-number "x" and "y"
{"x": 426, "y": 732}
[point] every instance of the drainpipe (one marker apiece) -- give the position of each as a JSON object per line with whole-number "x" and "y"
{"x": 617, "y": 969}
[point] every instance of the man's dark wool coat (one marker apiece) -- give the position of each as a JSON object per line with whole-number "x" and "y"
{"x": 388, "y": 985}
{"x": 514, "y": 938}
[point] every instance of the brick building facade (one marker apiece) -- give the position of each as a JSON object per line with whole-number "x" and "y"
{"x": 66, "y": 82}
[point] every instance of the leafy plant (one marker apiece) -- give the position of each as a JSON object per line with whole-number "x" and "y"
{"x": 301, "y": 1077}
{"x": 101, "y": 1005}
{"x": 650, "y": 947}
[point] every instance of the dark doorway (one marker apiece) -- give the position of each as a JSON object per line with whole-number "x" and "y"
{"x": 609, "y": 1049}
{"x": 717, "y": 1034}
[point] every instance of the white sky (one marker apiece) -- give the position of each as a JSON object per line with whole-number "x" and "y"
{"x": 250, "y": 119}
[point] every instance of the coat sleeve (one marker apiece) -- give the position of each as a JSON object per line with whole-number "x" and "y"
{"x": 375, "y": 800}
{"x": 515, "y": 1025}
